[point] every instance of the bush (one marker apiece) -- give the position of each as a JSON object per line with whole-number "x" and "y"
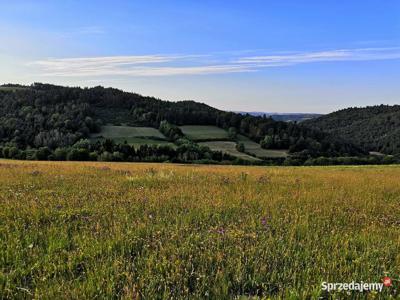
{"x": 14, "y": 152}
{"x": 6, "y": 151}
{"x": 232, "y": 133}
{"x": 117, "y": 156}
{"x": 93, "y": 156}
{"x": 30, "y": 154}
{"x": 240, "y": 147}
{"x": 78, "y": 154}
{"x": 105, "y": 156}
{"x": 82, "y": 144}
{"x": 60, "y": 154}
{"x": 43, "y": 153}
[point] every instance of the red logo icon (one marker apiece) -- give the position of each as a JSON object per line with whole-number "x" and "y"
{"x": 387, "y": 281}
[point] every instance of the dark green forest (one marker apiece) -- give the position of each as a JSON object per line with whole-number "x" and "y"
{"x": 372, "y": 128}
{"x": 45, "y": 121}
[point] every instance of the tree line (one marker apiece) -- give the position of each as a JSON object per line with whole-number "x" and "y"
{"x": 108, "y": 150}
{"x": 185, "y": 152}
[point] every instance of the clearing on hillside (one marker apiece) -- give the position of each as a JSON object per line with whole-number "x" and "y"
{"x": 132, "y": 135}
{"x": 204, "y": 133}
{"x": 229, "y": 148}
{"x": 111, "y": 132}
{"x": 256, "y": 150}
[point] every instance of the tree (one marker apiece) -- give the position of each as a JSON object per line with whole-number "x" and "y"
{"x": 43, "y": 153}
{"x": 60, "y": 154}
{"x": 240, "y": 147}
{"x": 78, "y": 154}
{"x": 268, "y": 142}
{"x": 232, "y": 133}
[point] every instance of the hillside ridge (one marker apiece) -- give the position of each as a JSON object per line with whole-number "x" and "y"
{"x": 373, "y": 128}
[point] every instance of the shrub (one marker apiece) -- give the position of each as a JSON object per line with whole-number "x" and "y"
{"x": 60, "y": 154}
{"x": 105, "y": 156}
{"x": 93, "y": 156}
{"x": 240, "y": 147}
{"x": 43, "y": 153}
{"x": 78, "y": 154}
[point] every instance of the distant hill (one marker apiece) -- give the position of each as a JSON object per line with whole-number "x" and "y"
{"x": 49, "y": 116}
{"x": 373, "y": 128}
{"x": 285, "y": 117}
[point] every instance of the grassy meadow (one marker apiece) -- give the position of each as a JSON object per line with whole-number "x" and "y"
{"x": 217, "y": 139}
{"x": 229, "y": 148}
{"x": 109, "y": 131}
{"x": 77, "y": 230}
{"x": 256, "y": 150}
{"x": 132, "y": 135}
{"x": 204, "y": 132}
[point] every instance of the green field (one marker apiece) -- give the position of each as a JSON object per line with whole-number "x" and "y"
{"x": 204, "y": 133}
{"x": 212, "y": 136}
{"x": 217, "y": 139}
{"x": 132, "y": 135}
{"x": 256, "y": 150}
{"x": 112, "y": 132}
{"x": 229, "y": 148}
{"x": 86, "y": 230}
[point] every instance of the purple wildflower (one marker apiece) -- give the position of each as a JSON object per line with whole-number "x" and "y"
{"x": 264, "y": 223}
{"x": 221, "y": 231}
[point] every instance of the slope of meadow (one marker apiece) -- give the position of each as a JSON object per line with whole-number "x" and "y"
{"x": 111, "y": 132}
{"x": 229, "y": 148}
{"x": 256, "y": 150}
{"x": 204, "y": 133}
{"x": 132, "y": 135}
{"x": 160, "y": 231}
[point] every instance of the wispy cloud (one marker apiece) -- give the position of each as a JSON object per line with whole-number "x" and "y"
{"x": 363, "y": 54}
{"x": 169, "y": 65}
{"x": 98, "y": 63}
{"x": 146, "y": 65}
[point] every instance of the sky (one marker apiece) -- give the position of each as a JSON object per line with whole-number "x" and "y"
{"x": 273, "y": 56}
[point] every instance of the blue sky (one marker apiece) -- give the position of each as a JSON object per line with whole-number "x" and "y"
{"x": 277, "y": 56}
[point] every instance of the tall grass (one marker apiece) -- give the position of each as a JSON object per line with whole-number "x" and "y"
{"x": 158, "y": 231}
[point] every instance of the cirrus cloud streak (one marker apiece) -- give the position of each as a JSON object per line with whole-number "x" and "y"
{"x": 172, "y": 65}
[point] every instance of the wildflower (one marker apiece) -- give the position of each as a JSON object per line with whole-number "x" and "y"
{"x": 221, "y": 231}
{"x": 264, "y": 223}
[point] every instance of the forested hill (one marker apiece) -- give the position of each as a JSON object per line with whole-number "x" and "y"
{"x": 373, "y": 128}
{"x": 43, "y": 115}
